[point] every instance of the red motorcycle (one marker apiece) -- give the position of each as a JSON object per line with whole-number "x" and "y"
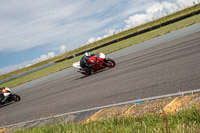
{"x": 101, "y": 63}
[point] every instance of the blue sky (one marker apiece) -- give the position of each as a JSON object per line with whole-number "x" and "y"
{"x": 35, "y": 30}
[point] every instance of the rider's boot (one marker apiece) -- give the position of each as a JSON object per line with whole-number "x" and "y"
{"x": 88, "y": 71}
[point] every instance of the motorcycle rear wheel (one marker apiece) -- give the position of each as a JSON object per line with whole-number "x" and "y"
{"x": 86, "y": 72}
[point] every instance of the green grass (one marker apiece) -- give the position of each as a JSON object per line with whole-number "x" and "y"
{"x": 186, "y": 121}
{"x": 107, "y": 49}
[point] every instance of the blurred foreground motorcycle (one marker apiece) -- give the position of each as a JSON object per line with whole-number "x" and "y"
{"x": 8, "y": 97}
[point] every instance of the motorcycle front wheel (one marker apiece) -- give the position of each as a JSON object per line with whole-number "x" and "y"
{"x": 15, "y": 97}
{"x": 110, "y": 62}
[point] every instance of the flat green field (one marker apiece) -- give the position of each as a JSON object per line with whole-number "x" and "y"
{"x": 108, "y": 49}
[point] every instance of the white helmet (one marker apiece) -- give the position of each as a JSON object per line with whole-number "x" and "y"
{"x": 87, "y": 55}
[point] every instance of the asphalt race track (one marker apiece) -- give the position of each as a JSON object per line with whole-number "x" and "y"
{"x": 168, "y": 68}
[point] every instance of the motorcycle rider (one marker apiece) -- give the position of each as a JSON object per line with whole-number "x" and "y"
{"x": 85, "y": 64}
{"x": 1, "y": 94}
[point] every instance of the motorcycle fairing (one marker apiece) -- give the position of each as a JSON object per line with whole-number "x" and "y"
{"x": 3, "y": 91}
{"x": 99, "y": 63}
{"x": 77, "y": 65}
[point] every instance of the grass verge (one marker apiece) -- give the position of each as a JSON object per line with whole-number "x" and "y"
{"x": 106, "y": 50}
{"x": 187, "y": 120}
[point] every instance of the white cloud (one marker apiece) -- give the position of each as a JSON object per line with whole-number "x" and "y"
{"x": 43, "y": 57}
{"x": 157, "y": 10}
{"x": 91, "y": 40}
{"x": 63, "y": 49}
{"x": 27, "y": 64}
{"x": 14, "y": 67}
{"x": 108, "y": 33}
{"x": 185, "y": 3}
{"x": 46, "y": 56}
{"x": 51, "y": 54}
{"x": 135, "y": 20}
{"x": 28, "y": 24}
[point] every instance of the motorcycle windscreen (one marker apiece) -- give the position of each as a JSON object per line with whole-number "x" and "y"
{"x": 102, "y": 55}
